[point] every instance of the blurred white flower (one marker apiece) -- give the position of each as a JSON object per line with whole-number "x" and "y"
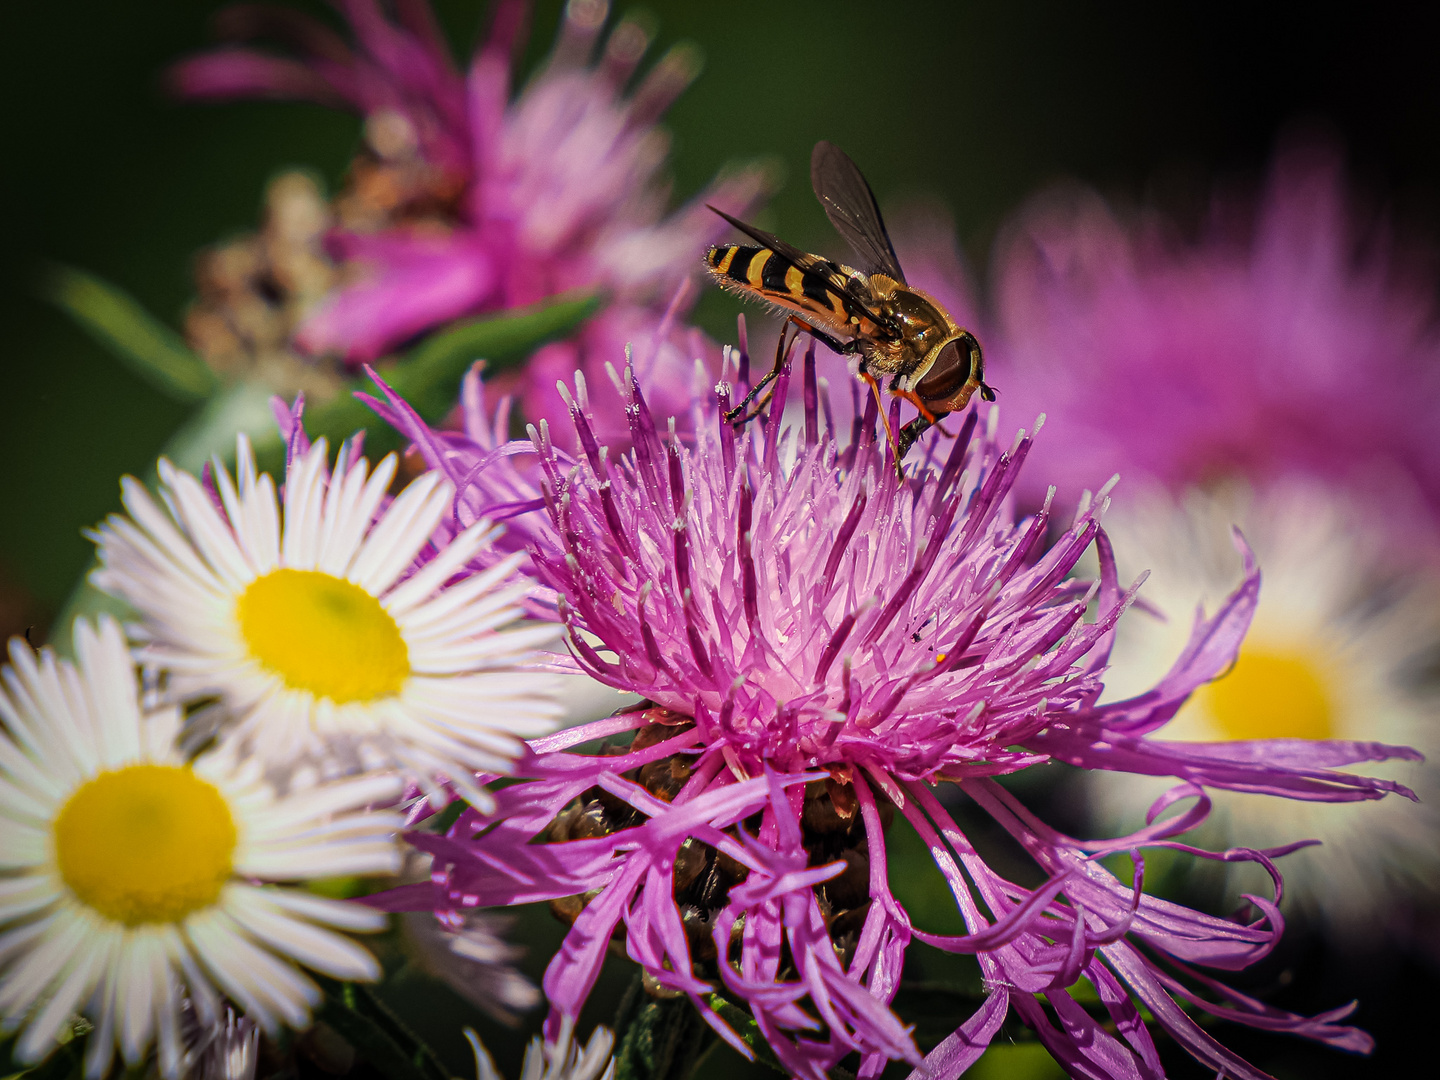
{"x": 563, "y": 1059}
{"x": 1336, "y": 651}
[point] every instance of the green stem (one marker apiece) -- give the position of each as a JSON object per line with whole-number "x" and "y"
{"x": 658, "y": 1039}
{"x": 377, "y": 1034}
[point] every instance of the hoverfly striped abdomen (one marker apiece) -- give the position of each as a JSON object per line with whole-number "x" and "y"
{"x": 811, "y": 290}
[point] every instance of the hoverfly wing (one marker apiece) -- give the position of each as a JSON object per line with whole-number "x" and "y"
{"x": 789, "y": 252}
{"x": 851, "y": 287}
{"x": 851, "y": 207}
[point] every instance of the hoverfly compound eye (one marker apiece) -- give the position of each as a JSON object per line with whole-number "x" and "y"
{"x": 948, "y": 375}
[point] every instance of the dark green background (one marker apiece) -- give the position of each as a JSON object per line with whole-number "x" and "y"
{"x": 980, "y": 102}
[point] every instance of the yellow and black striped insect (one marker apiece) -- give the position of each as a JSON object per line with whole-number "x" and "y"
{"x": 892, "y": 329}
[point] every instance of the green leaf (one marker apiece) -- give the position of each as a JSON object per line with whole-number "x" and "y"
{"x": 429, "y": 376}
{"x": 441, "y": 822}
{"x": 744, "y": 1025}
{"x": 211, "y": 429}
{"x": 1019, "y": 1061}
{"x": 377, "y": 1034}
{"x": 64, "y": 1063}
{"x": 115, "y": 319}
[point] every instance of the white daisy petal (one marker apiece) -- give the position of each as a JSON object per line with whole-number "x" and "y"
{"x": 20, "y": 896}
{"x": 204, "y": 998}
{"x": 438, "y": 570}
{"x": 227, "y": 970}
{"x": 136, "y": 990}
{"x": 357, "y": 509}
{"x": 324, "y": 642}
{"x": 489, "y": 584}
{"x": 562, "y": 1059}
{"x": 15, "y": 941}
{"x": 322, "y": 950}
{"x": 217, "y": 544}
{"x": 53, "y": 953}
{"x": 109, "y": 692}
{"x": 100, "y": 1049}
{"x": 340, "y": 914}
{"x": 304, "y": 502}
{"x": 23, "y": 811}
{"x": 267, "y": 986}
{"x": 79, "y": 979}
{"x": 167, "y": 1025}
{"x": 400, "y": 533}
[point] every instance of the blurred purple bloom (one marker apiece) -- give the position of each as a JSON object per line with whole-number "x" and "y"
{"x": 473, "y": 957}
{"x": 502, "y": 203}
{"x": 1302, "y": 342}
{"x": 821, "y": 643}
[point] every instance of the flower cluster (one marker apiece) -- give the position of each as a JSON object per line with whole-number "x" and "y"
{"x": 327, "y": 651}
{"x": 819, "y": 644}
{"x": 831, "y": 651}
{"x": 465, "y": 201}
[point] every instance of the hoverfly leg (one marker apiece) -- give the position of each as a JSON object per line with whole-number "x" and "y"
{"x": 870, "y": 381}
{"x": 782, "y": 350}
{"x": 911, "y": 432}
{"x": 737, "y": 415}
{"x": 927, "y": 419}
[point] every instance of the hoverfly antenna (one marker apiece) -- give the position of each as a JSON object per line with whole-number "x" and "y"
{"x": 987, "y": 392}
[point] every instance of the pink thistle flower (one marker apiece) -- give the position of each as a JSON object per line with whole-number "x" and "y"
{"x": 821, "y": 644}
{"x": 1305, "y": 345}
{"x": 469, "y": 201}
{"x": 489, "y": 472}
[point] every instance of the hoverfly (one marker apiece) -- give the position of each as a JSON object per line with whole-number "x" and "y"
{"x": 892, "y": 328}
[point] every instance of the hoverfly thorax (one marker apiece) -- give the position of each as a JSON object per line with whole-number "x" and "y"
{"x": 871, "y": 313}
{"x": 920, "y": 325}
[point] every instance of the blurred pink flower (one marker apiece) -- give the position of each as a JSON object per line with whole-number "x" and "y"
{"x": 466, "y": 201}
{"x": 819, "y": 644}
{"x": 474, "y": 957}
{"x": 1307, "y": 346}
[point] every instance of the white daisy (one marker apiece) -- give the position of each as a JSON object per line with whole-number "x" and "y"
{"x": 564, "y": 1059}
{"x": 312, "y": 624}
{"x": 1334, "y": 651}
{"x": 133, "y": 880}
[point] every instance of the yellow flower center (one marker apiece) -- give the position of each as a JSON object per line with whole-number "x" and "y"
{"x": 323, "y": 634}
{"x": 1271, "y": 694}
{"x": 145, "y": 844}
